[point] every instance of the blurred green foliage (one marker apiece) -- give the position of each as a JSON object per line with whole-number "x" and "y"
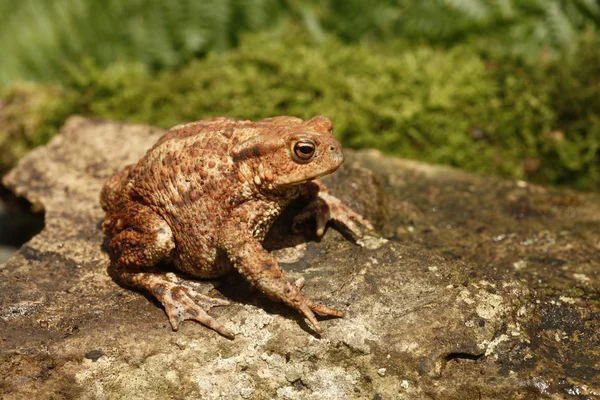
{"x": 29, "y": 116}
{"x": 522, "y": 28}
{"x": 43, "y": 37}
{"x": 509, "y": 87}
{"x": 452, "y": 106}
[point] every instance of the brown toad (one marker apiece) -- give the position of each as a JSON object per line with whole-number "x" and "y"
{"x": 204, "y": 197}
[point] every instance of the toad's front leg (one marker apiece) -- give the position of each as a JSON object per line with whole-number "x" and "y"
{"x": 262, "y": 271}
{"x": 324, "y": 207}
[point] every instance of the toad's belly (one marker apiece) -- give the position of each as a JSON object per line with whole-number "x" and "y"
{"x": 207, "y": 263}
{"x": 196, "y": 245}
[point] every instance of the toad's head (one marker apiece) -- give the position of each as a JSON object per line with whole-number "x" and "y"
{"x": 287, "y": 151}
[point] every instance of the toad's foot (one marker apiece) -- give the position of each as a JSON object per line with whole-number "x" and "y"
{"x": 307, "y": 307}
{"x": 181, "y": 303}
{"x": 326, "y": 207}
{"x": 180, "y": 300}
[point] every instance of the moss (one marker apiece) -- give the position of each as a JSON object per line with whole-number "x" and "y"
{"x": 29, "y": 117}
{"x": 452, "y": 106}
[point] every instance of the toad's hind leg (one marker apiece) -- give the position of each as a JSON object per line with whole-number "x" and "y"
{"x": 140, "y": 240}
{"x": 181, "y": 301}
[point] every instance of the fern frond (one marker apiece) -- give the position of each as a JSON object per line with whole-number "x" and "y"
{"x": 589, "y": 9}
{"x": 42, "y": 37}
{"x": 473, "y": 9}
{"x": 559, "y": 27}
{"x": 503, "y": 8}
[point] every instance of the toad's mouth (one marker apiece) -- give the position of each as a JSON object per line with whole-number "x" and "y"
{"x": 312, "y": 178}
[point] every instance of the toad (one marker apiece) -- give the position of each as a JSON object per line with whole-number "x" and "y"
{"x": 203, "y": 198}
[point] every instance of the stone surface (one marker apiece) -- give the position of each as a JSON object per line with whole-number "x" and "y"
{"x": 484, "y": 288}
{"x": 6, "y": 252}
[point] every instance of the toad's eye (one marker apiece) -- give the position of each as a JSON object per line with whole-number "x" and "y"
{"x": 304, "y": 149}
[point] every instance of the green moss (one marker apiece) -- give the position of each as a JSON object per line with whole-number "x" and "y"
{"x": 29, "y": 117}
{"x": 538, "y": 122}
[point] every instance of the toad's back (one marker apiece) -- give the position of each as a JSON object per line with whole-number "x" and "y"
{"x": 200, "y": 175}
{"x": 189, "y": 179}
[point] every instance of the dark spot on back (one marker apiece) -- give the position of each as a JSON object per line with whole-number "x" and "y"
{"x": 176, "y": 293}
{"x": 254, "y": 151}
{"x": 159, "y": 290}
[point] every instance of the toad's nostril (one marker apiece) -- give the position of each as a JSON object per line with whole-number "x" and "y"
{"x": 331, "y": 148}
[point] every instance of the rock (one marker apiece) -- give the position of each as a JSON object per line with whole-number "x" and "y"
{"x": 480, "y": 288}
{"x": 6, "y": 252}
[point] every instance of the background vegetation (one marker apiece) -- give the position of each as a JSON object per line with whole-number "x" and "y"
{"x": 510, "y": 87}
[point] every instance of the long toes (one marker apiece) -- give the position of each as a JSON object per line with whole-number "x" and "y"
{"x": 307, "y": 312}
{"x": 173, "y": 319}
{"x": 321, "y": 221}
{"x": 348, "y": 223}
{"x": 206, "y": 303}
{"x": 354, "y": 222}
{"x": 363, "y": 221}
{"x": 188, "y": 310}
{"x": 309, "y": 308}
{"x": 299, "y": 283}
{"x": 205, "y": 300}
{"x": 212, "y": 323}
{"x": 192, "y": 312}
{"x": 352, "y": 227}
{"x": 324, "y": 310}
{"x": 182, "y": 303}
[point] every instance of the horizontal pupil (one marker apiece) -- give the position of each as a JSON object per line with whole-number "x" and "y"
{"x": 305, "y": 149}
